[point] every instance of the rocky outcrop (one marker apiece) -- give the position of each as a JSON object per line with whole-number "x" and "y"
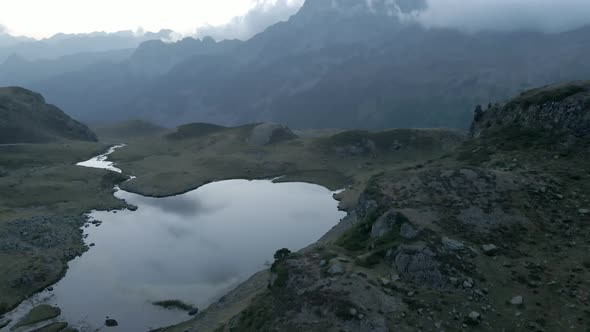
{"x": 563, "y": 108}
{"x": 418, "y": 264}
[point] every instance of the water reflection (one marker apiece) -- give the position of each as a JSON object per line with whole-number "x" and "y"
{"x": 193, "y": 247}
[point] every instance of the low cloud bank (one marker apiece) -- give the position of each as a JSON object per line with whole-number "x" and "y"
{"x": 264, "y": 14}
{"x": 506, "y": 15}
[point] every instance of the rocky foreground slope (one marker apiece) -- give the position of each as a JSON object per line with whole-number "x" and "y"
{"x": 26, "y": 118}
{"x": 493, "y": 237}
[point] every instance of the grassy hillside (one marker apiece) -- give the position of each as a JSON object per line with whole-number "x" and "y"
{"x": 127, "y": 130}
{"x": 198, "y": 154}
{"x": 26, "y": 118}
{"x": 44, "y": 196}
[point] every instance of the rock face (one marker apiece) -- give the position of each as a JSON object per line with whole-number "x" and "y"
{"x": 407, "y": 231}
{"x": 452, "y": 244}
{"x": 517, "y": 300}
{"x": 26, "y": 118}
{"x": 563, "y": 107}
{"x": 418, "y": 264}
{"x": 489, "y": 249}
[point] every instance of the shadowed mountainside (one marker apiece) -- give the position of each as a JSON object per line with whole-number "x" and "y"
{"x": 26, "y": 118}
{"x": 341, "y": 67}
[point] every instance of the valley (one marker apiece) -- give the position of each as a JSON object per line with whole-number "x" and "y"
{"x": 202, "y": 154}
{"x": 435, "y": 219}
{"x": 306, "y": 165}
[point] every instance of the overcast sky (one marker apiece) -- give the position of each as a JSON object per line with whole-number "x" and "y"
{"x": 243, "y": 18}
{"x": 476, "y": 15}
{"x": 44, "y": 18}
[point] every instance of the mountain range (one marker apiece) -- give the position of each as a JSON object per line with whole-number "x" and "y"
{"x": 63, "y": 44}
{"x": 342, "y": 63}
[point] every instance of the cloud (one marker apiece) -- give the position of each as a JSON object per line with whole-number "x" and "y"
{"x": 264, "y": 14}
{"x": 477, "y": 15}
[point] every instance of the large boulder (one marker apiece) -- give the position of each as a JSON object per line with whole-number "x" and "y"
{"x": 418, "y": 264}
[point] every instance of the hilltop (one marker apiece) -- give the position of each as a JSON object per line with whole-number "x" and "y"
{"x": 26, "y": 118}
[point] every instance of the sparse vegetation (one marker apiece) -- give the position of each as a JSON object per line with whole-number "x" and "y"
{"x": 279, "y": 269}
{"x": 38, "y": 314}
{"x": 26, "y": 118}
{"x": 43, "y": 183}
{"x": 194, "y": 130}
{"x": 257, "y": 317}
{"x": 552, "y": 94}
{"x": 174, "y": 304}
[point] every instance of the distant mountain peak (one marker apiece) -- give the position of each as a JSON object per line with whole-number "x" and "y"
{"x": 355, "y": 7}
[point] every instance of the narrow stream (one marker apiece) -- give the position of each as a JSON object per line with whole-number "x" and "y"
{"x": 192, "y": 247}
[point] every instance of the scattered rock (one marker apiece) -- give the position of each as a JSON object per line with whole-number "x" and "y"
{"x": 517, "y": 300}
{"x": 193, "y": 312}
{"x": 384, "y": 224}
{"x": 452, "y": 244}
{"x": 474, "y": 317}
{"x": 489, "y": 249}
{"x": 111, "y": 323}
{"x": 467, "y": 284}
{"x": 132, "y": 207}
{"x": 323, "y": 263}
{"x": 353, "y": 312}
{"x": 408, "y": 232}
{"x": 336, "y": 267}
{"x": 584, "y": 211}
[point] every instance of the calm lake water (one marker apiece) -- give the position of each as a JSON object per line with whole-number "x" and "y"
{"x": 193, "y": 247}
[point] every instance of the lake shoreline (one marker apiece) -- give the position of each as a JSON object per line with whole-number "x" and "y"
{"x": 87, "y": 222}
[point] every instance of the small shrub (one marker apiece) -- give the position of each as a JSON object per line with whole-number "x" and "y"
{"x": 371, "y": 259}
{"x": 279, "y": 268}
{"x": 282, "y": 254}
{"x": 174, "y": 304}
{"x": 256, "y": 316}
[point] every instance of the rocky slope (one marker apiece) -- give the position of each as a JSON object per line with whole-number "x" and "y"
{"x": 26, "y": 118}
{"x": 493, "y": 237}
{"x": 561, "y": 107}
